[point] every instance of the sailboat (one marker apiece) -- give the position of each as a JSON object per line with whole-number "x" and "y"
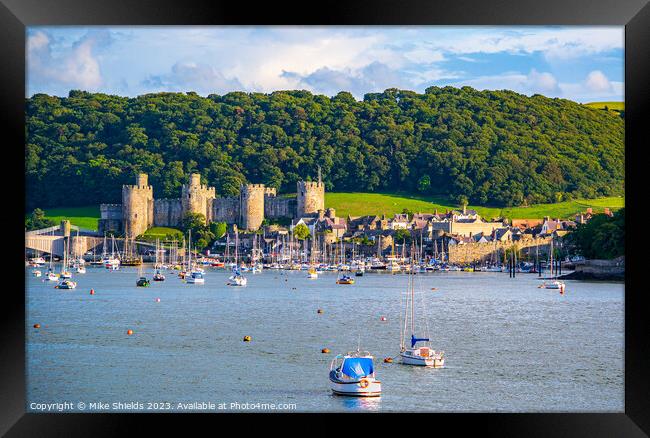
{"x": 412, "y": 354}
{"x": 65, "y": 273}
{"x": 344, "y": 279}
{"x": 195, "y": 275}
{"x": 158, "y": 276}
{"x": 311, "y": 273}
{"x": 66, "y": 282}
{"x": 142, "y": 280}
{"x": 236, "y": 279}
{"x": 51, "y": 275}
{"x": 553, "y": 283}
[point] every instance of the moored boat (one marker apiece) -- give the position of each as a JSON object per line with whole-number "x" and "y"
{"x": 353, "y": 374}
{"x": 66, "y": 284}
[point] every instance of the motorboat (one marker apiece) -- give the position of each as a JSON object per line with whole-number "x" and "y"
{"x": 158, "y": 276}
{"x": 66, "y": 284}
{"x": 80, "y": 269}
{"x": 353, "y": 374}
{"x": 345, "y": 280}
{"x": 359, "y": 273}
{"x": 312, "y": 274}
{"x": 195, "y": 277}
{"x": 51, "y": 276}
{"x": 142, "y": 282}
{"x": 237, "y": 280}
{"x": 36, "y": 273}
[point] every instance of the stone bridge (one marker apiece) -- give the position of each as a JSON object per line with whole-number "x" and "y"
{"x": 51, "y": 240}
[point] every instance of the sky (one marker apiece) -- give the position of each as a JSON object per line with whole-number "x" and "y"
{"x": 580, "y": 63}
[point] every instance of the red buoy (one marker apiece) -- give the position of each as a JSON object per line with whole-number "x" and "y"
{"x": 92, "y": 291}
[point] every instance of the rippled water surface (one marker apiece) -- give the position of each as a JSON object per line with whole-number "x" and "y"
{"x": 509, "y": 346}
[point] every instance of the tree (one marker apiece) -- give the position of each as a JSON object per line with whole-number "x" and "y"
{"x": 402, "y": 236}
{"x": 37, "y": 220}
{"x": 218, "y": 229}
{"x": 462, "y": 201}
{"x": 301, "y": 232}
{"x": 194, "y": 222}
{"x": 602, "y": 237}
{"x": 424, "y": 184}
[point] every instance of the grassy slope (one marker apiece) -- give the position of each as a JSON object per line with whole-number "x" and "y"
{"x": 357, "y": 204}
{"x": 84, "y": 217}
{"x": 611, "y": 105}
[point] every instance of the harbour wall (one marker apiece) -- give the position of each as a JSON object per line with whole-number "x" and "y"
{"x": 484, "y": 252}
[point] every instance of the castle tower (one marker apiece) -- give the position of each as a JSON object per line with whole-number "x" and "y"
{"x": 310, "y": 197}
{"x": 252, "y": 206}
{"x": 137, "y": 206}
{"x": 197, "y": 198}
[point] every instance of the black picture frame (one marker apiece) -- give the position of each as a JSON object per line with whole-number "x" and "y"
{"x": 15, "y": 15}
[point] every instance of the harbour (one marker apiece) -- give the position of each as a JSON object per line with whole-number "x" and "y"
{"x": 509, "y": 346}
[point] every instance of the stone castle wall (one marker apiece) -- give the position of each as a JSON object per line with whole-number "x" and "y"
{"x": 480, "y": 252}
{"x": 137, "y": 206}
{"x": 310, "y": 197}
{"x": 252, "y": 206}
{"x": 275, "y": 208}
{"x": 110, "y": 218}
{"x": 167, "y": 212}
{"x": 226, "y": 210}
{"x": 197, "y": 198}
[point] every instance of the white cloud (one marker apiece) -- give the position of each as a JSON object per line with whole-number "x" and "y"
{"x": 73, "y": 67}
{"x": 190, "y": 76}
{"x": 534, "y": 82}
{"x": 554, "y": 43}
{"x": 597, "y": 81}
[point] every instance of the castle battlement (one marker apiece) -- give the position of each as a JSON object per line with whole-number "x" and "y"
{"x": 254, "y": 187}
{"x": 312, "y": 184}
{"x": 139, "y": 210}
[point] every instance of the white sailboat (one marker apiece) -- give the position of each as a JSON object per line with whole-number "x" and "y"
{"x": 195, "y": 274}
{"x": 553, "y": 283}
{"x": 236, "y": 279}
{"x": 413, "y": 354}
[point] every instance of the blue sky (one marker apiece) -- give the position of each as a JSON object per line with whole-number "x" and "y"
{"x": 575, "y": 62}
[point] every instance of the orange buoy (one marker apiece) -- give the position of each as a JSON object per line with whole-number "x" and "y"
{"x": 37, "y": 325}
{"x": 319, "y": 311}
{"x": 434, "y": 288}
{"x": 129, "y": 332}
{"x": 247, "y": 338}
{"x": 388, "y": 360}
{"x": 325, "y": 350}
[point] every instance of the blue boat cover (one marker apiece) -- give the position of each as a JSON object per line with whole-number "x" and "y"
{"x": 415, "y": 340}
{"x": 357, "y": 367}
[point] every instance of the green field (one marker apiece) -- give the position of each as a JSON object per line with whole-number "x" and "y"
{"x": 84, "y": 217}
{"x": 359, "y": 204}
{"x": 613, "y": 107}
{"x": 161, "y": 233}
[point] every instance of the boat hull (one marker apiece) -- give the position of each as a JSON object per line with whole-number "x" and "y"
{"x": 431, "y": 361}
{"x": 355, "y": 389}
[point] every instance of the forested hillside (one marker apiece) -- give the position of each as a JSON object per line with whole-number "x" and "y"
{"x": 494, "y": 147}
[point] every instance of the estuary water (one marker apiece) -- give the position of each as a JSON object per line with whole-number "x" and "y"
{"x": 509, "y": 346}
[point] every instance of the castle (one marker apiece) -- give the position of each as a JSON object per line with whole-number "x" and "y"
{"x": 140, "y": 211}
